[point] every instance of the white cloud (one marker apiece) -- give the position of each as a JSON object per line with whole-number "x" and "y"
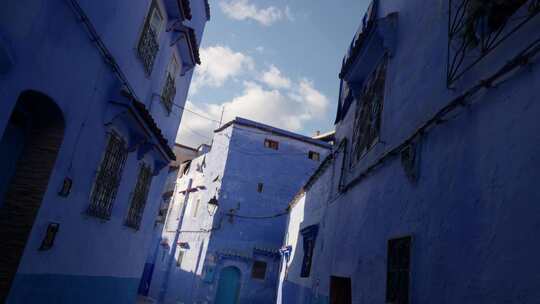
{"x": 289, "y": 109}
{"x": 219, "y": 64}
{"x": 275, "y": 79}
{"x": 259, "y": 49}
{"x": 243, "y": 9}
{"x": 289, "y": 14}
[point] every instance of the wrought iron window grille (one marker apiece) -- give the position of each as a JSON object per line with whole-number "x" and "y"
{"x": 367, "y": 122}
{"x": 139, "y": 197}
{"x": 169, "y": 92}
{"x": 477, "y": 27}
{"x": 108, "y": 178}
{"x": 148, "y": 46}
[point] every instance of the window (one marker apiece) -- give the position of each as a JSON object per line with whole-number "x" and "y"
{"x": 260, "y": 187}
{"x": 169, "y": 89}
{"x": 309, "y": 235}
{"x": 314, "y": 155}
{"x": 139, "y": 197}
{"x": 179, "y": 258}
{"x": 340, "y": 290}
{"x": 195, "y": 208}
{"x": 477, "y": 27}
{"x": 271, "y": 144}
{"x": 397, "y": 277}
{"x": 108, "y": 177}
{"x": 163, "y": 210}
{"x": 148, "y": 45}
{"x": 367, "y": 122}
{"x": 259, "y": 270}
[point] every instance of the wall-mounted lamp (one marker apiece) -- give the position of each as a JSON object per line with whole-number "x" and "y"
{"x": 213, "y": 205}
{"x": 50, "y": 235}
{"x": 66, "y": 187}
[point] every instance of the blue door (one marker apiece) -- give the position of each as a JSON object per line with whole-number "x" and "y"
{"x": 228, "y": 286}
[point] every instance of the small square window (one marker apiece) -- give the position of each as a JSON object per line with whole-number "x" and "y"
{"x": 314, "y": 155}
{"x": 260, "y": 187}
{"x": 271, "y": 144}
{"x": 259, "y": 270}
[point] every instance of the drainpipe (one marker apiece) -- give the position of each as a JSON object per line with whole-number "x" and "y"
{"x": 165, "y": 283}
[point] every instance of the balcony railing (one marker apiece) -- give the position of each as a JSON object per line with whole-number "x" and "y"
{"x": 477, "y": 27}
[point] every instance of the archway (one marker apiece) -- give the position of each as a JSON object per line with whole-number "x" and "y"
{"x": 229, "y": 286}
{"x": 28, "y": 150}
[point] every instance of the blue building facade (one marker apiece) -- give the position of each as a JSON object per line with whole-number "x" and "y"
{"x": 227, "y": 217}
{"x": 430, "y": 191}
{"x": 91, "y": 95}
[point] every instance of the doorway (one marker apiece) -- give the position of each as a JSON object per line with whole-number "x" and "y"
{"x": 340, "y": 290}
{"x": 28, "y": 150}
{"x": 228, "y": 286}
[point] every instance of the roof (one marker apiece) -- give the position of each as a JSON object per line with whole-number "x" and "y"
{"x": 185, "y": 8}
{"x": 185, "y": 147}
{"x": 273, "y": 130}
{"x": 207, "y": 9}
{"x": 328, "y": 136}
{"x": 194, "y": 46}
{"x": 152, "y": 125}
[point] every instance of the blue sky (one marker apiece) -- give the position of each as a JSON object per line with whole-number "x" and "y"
{"x": 276, "y": 62}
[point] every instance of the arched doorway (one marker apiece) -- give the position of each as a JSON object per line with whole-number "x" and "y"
{"x": 28, "y": 150}
{"x": 228, "y": 286}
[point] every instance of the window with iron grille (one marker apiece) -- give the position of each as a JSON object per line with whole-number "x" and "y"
{"x": 367, "y": 121}
{"x": 398, "y": 270}
{"x": 148, "y": 45}
{"x": 169, "y": 89}
{"x": 259, "y": 270}
{"x": 477, "y": 27}
{"x": 139, "y": 197}
{"x": 108, "y": 177}
{"x": 271, "y": 144}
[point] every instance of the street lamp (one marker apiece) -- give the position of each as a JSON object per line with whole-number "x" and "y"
{"x": 212, "y": 205}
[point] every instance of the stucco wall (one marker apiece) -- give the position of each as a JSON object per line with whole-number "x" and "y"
{"x": 471, "y": 214}
{"x": 52, "y": 53}
{"x": 235, "y": 165}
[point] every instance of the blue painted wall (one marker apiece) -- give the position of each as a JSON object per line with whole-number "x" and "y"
{"x": 44, "y": 47}
{"x": 237, "y": 162}
{"x": 472, "y": 213}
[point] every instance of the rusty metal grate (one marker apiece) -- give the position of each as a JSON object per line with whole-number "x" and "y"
{"x": 477, "y": 27}
{"x": 139, "y": 197}
{"x": 108, "y": 178}
{"x": 367, "y": 121}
